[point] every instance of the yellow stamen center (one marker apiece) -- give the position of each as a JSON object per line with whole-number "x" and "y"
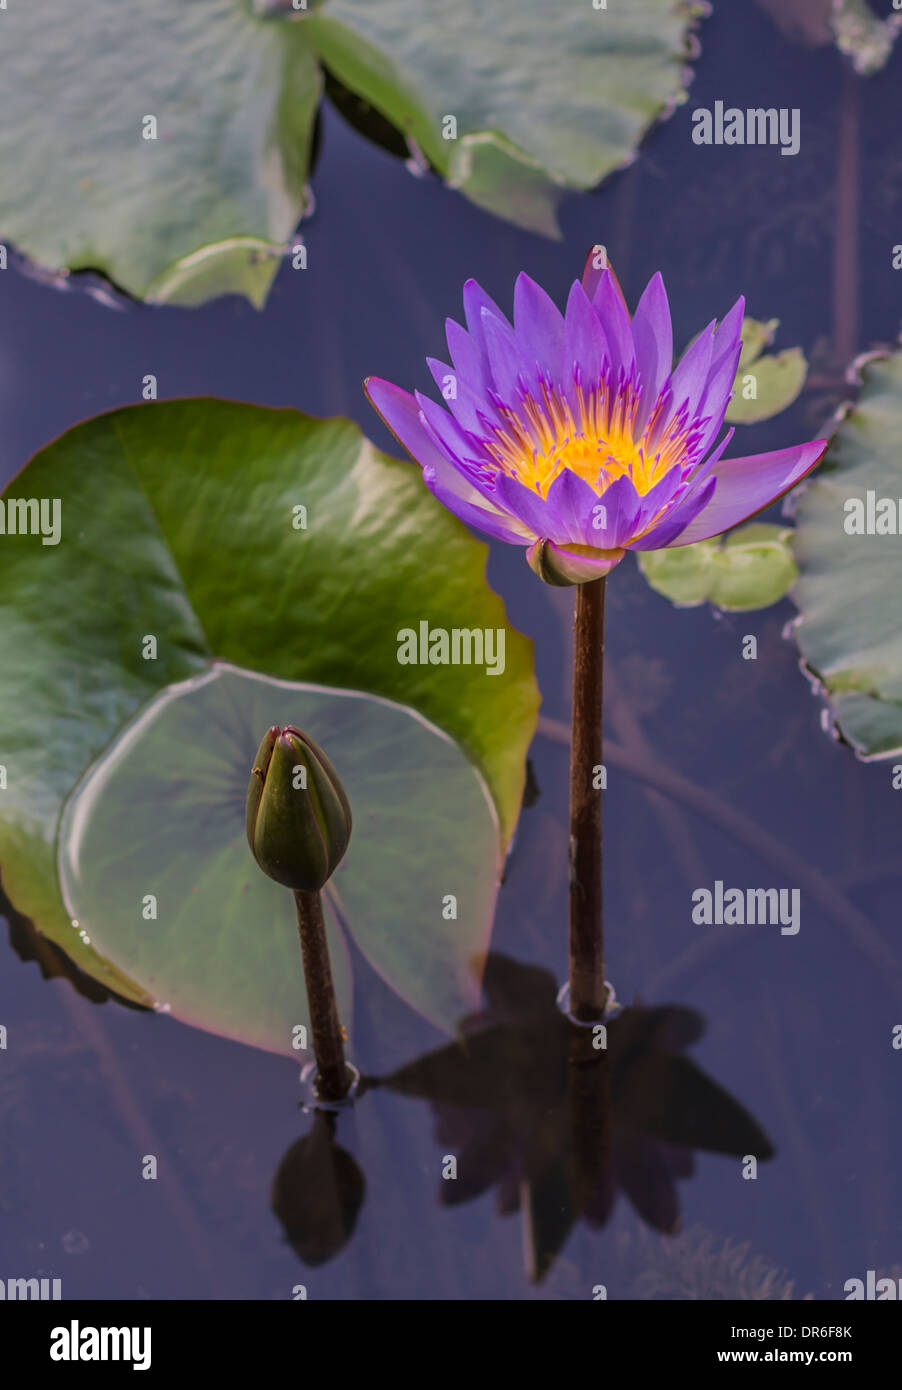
{"x": 543, "y": 438}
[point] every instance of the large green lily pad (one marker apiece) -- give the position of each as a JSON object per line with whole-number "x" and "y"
{"x": 202, "y": 531}
{"x": 849, "y": 628}
{"x": 544, "y": 98}
{"x": 161, "y": 815}
{"x": 234, "y": 100}
{"x": 567, "y": 91}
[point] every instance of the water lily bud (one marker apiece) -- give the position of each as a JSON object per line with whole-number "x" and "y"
{"x": 298, "y": 817}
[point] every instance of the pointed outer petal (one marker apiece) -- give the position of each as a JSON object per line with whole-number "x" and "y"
{"x": 653, "y": 336}
{"x": 745, "y": 486}
{"x": 539, "y": 328}
{"x": 475, "y": 300}
{"x": 455, "y": 441}
{"x": 690, "y": 376}
{"x": 455, "y": 451}
{"x": 666, "y": 532}
{"x": 725, "y": 355}
{"x": 622, "y": 509}
{"x": 728, "y": 333}
{"x": 559, "y": 566}
{"x": 470, "y": 361}
{"x": 490, "y": 521}
{"x": 592, "y": 279}
{"x": 585, "y": 342}
{"x": 464, "y": 405}
{"x": 505, "y": 362}
{"x": 401, "y": 413}
{"x": 609, "y": 305}
{"x": 717, "y": 395}
{"x": 592, "y": 273}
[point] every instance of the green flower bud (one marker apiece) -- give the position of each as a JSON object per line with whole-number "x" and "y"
{"x": 298, "y": 817}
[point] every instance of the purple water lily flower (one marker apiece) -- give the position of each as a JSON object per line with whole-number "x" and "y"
{"x": 574, "y": 434}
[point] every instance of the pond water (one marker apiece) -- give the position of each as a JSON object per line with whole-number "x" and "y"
{"x": 797, "y": 1028}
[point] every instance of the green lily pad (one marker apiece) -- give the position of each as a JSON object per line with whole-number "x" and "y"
{"x": 765, "y": 384}
{"x": 848, "y": 629}
{"x": 201, "y": 531}
{"x": 568, "y": 90}
{"x": 752, "y": 567}
{"x": 234, "y": 99}
{"x": 161, "y": 816}
{"x": 206, "y": 202}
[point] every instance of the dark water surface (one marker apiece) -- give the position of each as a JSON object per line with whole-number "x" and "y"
{"x": 798, "y": 1028}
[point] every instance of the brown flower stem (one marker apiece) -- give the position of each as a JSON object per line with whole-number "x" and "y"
{"x": 587, "y": 987}
{"x": 333, "y": 1078}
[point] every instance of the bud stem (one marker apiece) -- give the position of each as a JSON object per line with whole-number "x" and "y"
{"x": 587, "y": 985}
{"x": 333, "y": 1077}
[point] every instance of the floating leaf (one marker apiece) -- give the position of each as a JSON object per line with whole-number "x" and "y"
{"x": 752, "y": 567}
{"x": 196, "y": 531}
{"x": 162, "y": 814}
{"x": 531, "y": 87}
{"x": 764, "y": 385}
{"x": 205, "y": 200}
{"x": 755, "y": 338}
{"x": 849, "y": 628}
{"x": 205, "y": 206}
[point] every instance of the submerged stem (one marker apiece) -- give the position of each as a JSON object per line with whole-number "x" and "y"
{"x": 333, "y": 1077}
{"x": 587, "y": 986}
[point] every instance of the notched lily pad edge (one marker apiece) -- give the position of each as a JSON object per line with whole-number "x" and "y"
{"x": 257, "y": 261}
{"x": 821, "y": 686}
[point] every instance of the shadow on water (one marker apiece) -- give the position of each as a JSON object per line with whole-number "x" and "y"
{"x": 556, "y": 1118}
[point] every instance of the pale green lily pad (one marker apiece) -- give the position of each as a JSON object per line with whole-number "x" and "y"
{"x": 544, "y": 99}
{"x": 849, "y": 628}
{"x": 765, "y": 384}
{"x": 752, "y": 567}
{"x": 161, "y": 816}
{"x": 234, "y": 99}
{"x": 756, "y": 336}
{"x": 568, "y": 89}
{"x": 202, "y": 531}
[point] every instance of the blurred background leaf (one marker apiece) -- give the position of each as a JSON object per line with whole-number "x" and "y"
{"x": 766, "y": 383}
{"x": 848, "y": 627}
{"x": 751, "y": 567}
{"x": 543, "y": 99}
